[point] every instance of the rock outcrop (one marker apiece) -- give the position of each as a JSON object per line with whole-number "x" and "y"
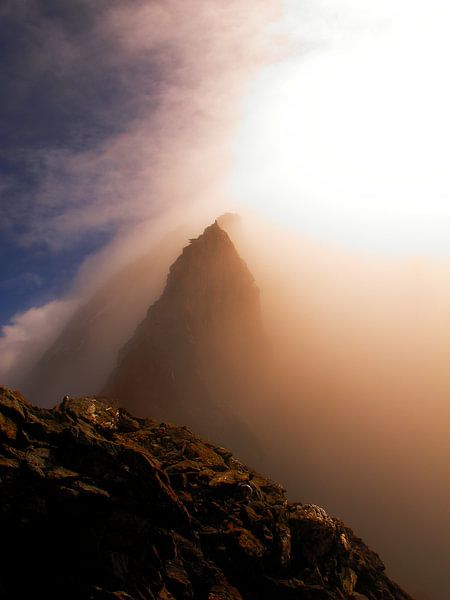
{"x": 98, "y": 504}
{"x": 196, "y": 358}
{"x": 99, "y": 328}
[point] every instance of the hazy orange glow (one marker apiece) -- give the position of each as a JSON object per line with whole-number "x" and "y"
{"x": 336, "y": 155}
{"x": 362, "y": 344}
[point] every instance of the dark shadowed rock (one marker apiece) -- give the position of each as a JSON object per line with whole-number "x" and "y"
{"x": 97, "y": 504}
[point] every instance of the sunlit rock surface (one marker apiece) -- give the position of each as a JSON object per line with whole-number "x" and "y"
{"x": 98, "y": 504}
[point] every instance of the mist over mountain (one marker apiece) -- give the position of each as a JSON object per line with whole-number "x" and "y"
{"x": 314, "y": 341}
{"x": 198, "y": 356}
{"x": 85, "y": 350}
{"x": 300, "y": 360}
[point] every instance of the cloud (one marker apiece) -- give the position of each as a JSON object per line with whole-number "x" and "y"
{"x": 117, "y": 125}
{"x": 143, "y": 97}
{"x": 119, "y": 117}
{"x": 350, "y": 137}
{"x": 29, "y": 334}
{"x": 28, "y": 279}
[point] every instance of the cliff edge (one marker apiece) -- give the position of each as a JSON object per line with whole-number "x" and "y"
{"x": 197, "y": 358}
{"x": 98, "y": 504}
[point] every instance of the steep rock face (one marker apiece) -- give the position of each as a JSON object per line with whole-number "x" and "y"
{"x": 97, "y": 504}
{"x": 194, "y": 358}
{"x": 99, "y": 328}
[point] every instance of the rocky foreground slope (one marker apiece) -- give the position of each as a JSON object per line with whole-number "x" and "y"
{"x": 95, "y": 503}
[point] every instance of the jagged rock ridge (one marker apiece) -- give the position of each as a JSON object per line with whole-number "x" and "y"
{"x": 97, "y": 504}
{"x": 194, "y": 357}
{"x": 99, "y": 328}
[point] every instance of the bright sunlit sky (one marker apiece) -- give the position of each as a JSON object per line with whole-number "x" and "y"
{"x": 121, "y": 120}
{"x": 348, "y": 139}
{"x": 114, "y": 110}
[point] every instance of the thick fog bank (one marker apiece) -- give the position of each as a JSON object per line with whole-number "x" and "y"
{"x": 354, "y": 410}
{"x": 361, "y": 346}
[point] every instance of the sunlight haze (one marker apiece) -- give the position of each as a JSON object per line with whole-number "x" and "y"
{"x": 348, "y": 137}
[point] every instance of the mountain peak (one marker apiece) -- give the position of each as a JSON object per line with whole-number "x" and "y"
{"x": 189, "y": 359}
{"x": 212, "y": 230}
{"x": 210, "y": 266}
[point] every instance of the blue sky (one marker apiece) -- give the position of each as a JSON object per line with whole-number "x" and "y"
{"x": 62, "y": 92}
{"x": 112, "y": 113}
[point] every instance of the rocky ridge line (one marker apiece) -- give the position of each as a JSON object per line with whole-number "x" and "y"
{"x": 97, "y": 504}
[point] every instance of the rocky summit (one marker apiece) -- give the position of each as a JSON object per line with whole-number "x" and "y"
{"x": 196, "y": 357}
{"x": 98, "y": 504}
